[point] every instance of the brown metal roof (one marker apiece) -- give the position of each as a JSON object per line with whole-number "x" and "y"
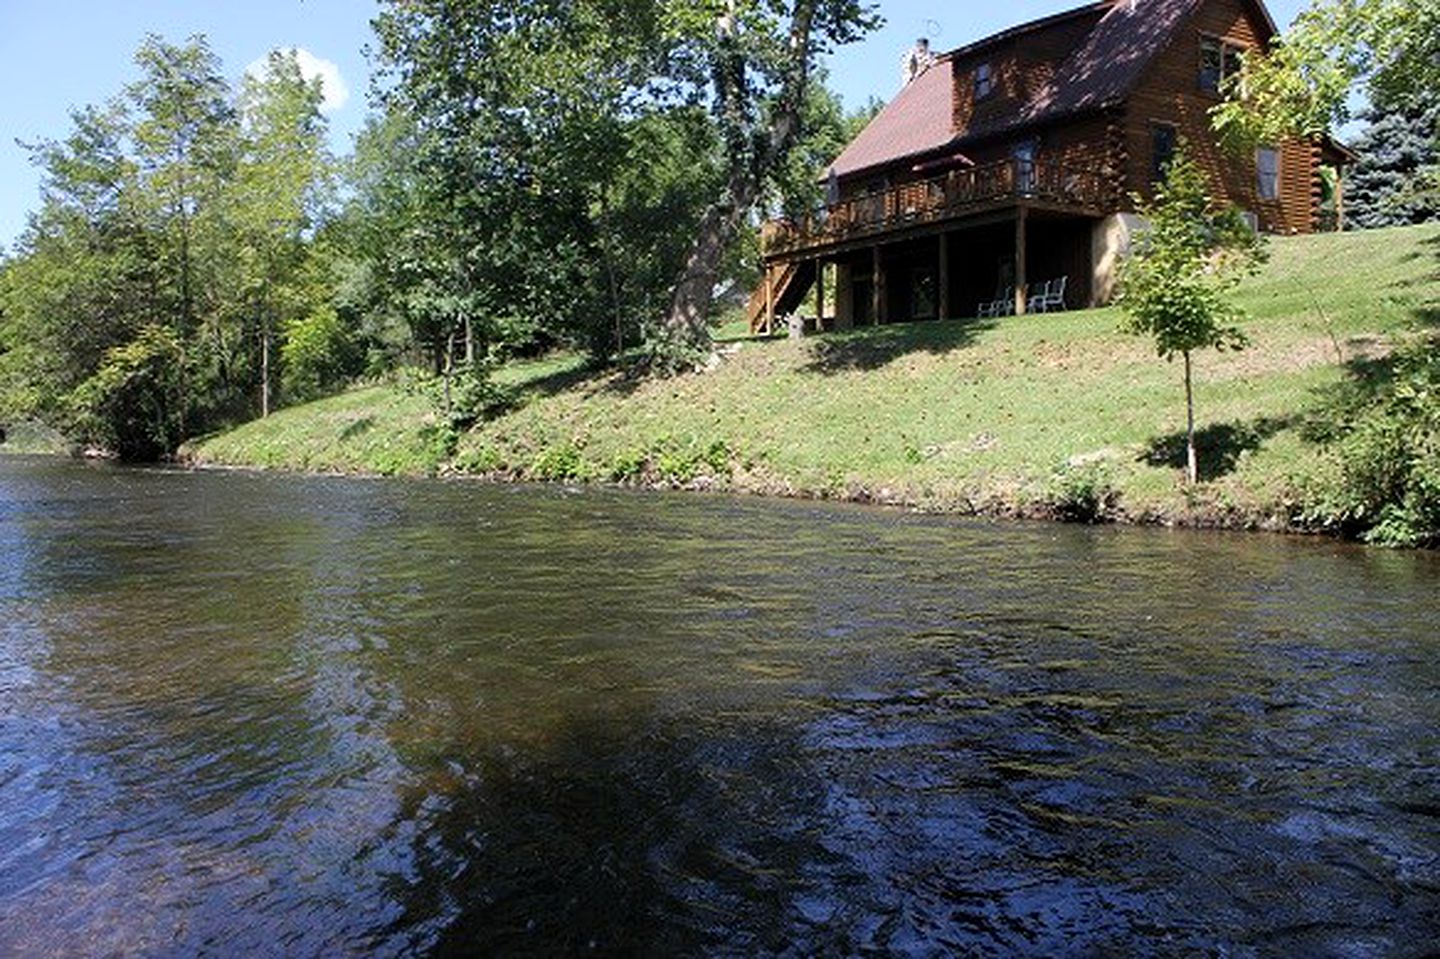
{"x": 1099, "y": 73}
{"x": 917, "y": 121}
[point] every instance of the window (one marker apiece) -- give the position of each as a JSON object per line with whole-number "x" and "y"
{"x": 1267, "y": 173}
{"x": 984, "y": 81}
{"x": 1219, "y": 61}
{"x": 1162, "y": 151}
{"x": 1024, "y": 154}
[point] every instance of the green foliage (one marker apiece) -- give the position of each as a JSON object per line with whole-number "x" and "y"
{"x": 1303, "y": 86}
{"x": 542, "y": 173}
{"x": 318, "y": 354}
{"x": 1398, "y": 145}
{"x": 467, "y": 395}
{"x": 179, "y": 206}
{"x": 559, "y": 463}
{"x": 134, "y": 403}
{"x": 1175, "y": 285}
{"x": 1383, "y": 439}
{"x": 628, "y": 465}
{"x": 1082, "y": 494}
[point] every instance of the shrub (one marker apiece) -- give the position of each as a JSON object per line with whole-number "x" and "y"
{"x": 467, "y": 396}
{"x": 1384, "y": 447}
{"x": 562, "y": 462}
{"x": 134, "y": 403}
{"x": 629, "y": 465}
{"x": 1082, "y": 494}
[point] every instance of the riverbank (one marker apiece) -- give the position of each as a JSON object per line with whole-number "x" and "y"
{"x": 31, "y": 439}
{"x": 1056, "y": 415}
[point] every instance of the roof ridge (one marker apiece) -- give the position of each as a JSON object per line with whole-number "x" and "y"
{"x": 1030, "y": 26}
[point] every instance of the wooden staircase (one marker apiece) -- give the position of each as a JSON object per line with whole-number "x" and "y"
{"x": 781, "y": 291}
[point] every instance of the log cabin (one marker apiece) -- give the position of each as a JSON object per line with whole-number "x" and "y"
{"x": 1009, "y": 166}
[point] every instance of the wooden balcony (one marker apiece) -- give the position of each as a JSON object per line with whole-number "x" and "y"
{"x": 958, "y": 194}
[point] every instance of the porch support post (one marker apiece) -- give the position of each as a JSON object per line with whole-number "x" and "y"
{"x": 942, "y": 278}
{"x": 877, "y": 287}
{"x": 1020, "y": 280}
{"x": 844, "y": 296}
{"x": 820, "y": 295}
{"x": 769, "y": 299}
{"x": 1340, "y": 199}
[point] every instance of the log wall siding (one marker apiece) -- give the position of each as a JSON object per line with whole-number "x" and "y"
{"x": 1118, "y": 141}
{"x": 1170, "y": 93}
{"x": 1019, "y": 68}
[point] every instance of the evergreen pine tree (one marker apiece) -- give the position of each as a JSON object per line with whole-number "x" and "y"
{"x": 1399, "y": 144}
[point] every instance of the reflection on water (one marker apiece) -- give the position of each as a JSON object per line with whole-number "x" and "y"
{"x": 265, "y": 715}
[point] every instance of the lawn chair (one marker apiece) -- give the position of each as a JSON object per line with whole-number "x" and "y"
{"x": 1003, "y": 305}
{"x": 1050, "y": 297}
{"x": 1035, "y": 294}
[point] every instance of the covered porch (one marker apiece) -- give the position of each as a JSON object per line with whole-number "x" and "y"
{"x": 943, "y": 270}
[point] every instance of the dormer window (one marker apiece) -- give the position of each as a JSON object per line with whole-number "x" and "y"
{"x": 984, "y": 81}
{"x": 1219, "y": 61}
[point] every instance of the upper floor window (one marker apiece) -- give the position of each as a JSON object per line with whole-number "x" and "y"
{"x": 984, "y": 81}
{"x": 1267, "y": 170}
{"x": 1219, "y": 61}
{"x": 1162, "y": 151}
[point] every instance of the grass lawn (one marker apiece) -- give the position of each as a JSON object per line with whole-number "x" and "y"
{"x": 991, "y": 415}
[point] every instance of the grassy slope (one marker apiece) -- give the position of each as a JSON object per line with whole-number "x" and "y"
{"x": 960, "y": 414}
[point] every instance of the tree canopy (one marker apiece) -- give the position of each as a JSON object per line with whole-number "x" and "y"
{"x": 174, "y": 233}
{"x": 1387, "y": 49}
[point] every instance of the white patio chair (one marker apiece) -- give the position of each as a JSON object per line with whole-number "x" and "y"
{"x": 1052, "y": 296}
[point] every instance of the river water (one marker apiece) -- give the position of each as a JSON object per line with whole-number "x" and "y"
{"x": 265, "y": 715}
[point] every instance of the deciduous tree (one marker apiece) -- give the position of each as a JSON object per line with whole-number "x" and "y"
{"x": 1174, "y": 284}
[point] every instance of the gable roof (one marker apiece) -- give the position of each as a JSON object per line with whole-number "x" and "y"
{"x": 1114, "y": 56}
{"x": 1101, "y": 71}
{"x": 917, "y": 121}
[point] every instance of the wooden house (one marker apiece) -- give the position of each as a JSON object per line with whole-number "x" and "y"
{"x": 1012, "y": 162}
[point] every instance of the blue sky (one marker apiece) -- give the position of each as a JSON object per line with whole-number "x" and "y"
{"x": 58, "y": 54}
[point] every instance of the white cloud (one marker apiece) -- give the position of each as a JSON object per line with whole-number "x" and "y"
{"x": 332, "y": 84}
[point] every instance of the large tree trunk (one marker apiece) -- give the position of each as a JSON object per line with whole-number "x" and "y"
{"x": 686, "y": 323}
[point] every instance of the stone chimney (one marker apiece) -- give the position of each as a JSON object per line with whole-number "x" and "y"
{"x": 916, "y": 61}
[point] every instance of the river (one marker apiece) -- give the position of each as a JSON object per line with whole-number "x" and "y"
{"x": 274, "y": 715}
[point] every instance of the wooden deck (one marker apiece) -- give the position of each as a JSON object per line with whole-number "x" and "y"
{"x": 934, "y": 202}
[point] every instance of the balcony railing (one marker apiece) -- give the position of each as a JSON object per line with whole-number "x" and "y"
{"x": 940, "y": 198}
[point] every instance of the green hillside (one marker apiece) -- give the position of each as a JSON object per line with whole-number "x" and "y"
{"x": 1015, "y": 415}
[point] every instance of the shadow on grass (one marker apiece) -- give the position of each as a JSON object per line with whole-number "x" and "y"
{"x": 873, "y": 347}
{"x": 1335, "y": 406}
{"x": 357, "y": 428}
{"x": 561, "y": 381}
{"x": 1218, "y": 447}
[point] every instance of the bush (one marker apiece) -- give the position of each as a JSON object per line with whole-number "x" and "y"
{"x": 1383, "y": 439}
{"x": 134, "y": 403}
{"x": 559, "y": 463}
{"x": 467, "y": 396}
{"x": 1081, "y": 494}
